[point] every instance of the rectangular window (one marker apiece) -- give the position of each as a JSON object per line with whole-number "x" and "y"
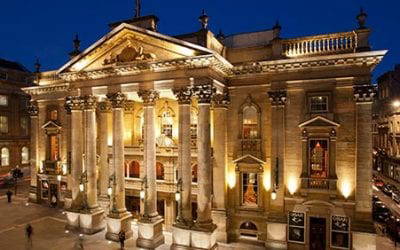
{"x": 3, "y": 124}
{"x": 3, "y": 75}
{"x": 250, "y": 189}
{"x": 296, "y": 227}
{"x": 3, "y": 100}
{"x": 53, "y": 139}
{"x": 318, "y": 104}
{"x": 24, "y": 125}
{"x": 340, "y": 237}
{"x": 318, "y": 158}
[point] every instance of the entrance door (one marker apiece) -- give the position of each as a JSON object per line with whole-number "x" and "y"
{"x": 53, "y": 194}
{"x": 317, "y": 233}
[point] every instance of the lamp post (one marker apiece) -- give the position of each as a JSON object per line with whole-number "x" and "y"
{"x": 112, "y": 183}
{"x": 178, "y": 199}
{"x": 83, "y": 188}
{"x": 143, "y": 197}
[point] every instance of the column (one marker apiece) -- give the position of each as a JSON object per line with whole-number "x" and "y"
{"x": 104, "y": 111}
{"x": 34, "y": 164}
{"x": 150, "y": 225}
{"x": 118, "y": 219}
{"x": 220, "y": 146}
{"x": 90, "y": 151}
{"x": 75, "y": 104}
{"x": 278, "y": 101}
{"x": 204, "y": 175}
{"x": 184, "y": 155}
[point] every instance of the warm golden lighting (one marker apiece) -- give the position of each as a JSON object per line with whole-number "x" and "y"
{"x": 109, "y": 140}
{"x": 177, "y": 196}
{"x": 267, "y": 180}
{"x": 109, "y": 191}
{"x": 81, "y": 187}
{"x": 273, "y": 195}
{"x": 396, "y": 103}
{"x": 231, "y": 180}
{"x": 292, "y": 185}
{"x": 64, "y": 168}
{"x": 346, "y": 189}
{"x": 58, "y": 177}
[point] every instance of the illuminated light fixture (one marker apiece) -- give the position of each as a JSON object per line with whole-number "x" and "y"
{"x": 346, "y": 189}
{"x": 177, "y": 196}
{"x": 81, "y": 187}
{"x": 64, "y": 169}
{"x": 396, "y": 104}
{"x": 66, "y": 231}
{"x": 231, "y": 180}
{"x": 109, "y": 191}
{"x": 80, "y": 235}
{"x": 273, "y": 195}
{"x": 59, "y": 178}
{"x": 27, "y": 204}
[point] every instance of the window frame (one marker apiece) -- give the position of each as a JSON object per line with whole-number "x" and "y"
{"x": 28, "y": 155}
{"x": 7, "y": 98}
{"x": 309, "y": 156}
{"x": 329, "y": 102}
{"x": 8, "y": 157}
{"x": 6, "y": 123}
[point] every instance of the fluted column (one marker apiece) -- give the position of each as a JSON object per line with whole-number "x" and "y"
{"x": 204, "y": 178}
{"x": 149, "y": 98}
{"x": 90, "y": 150}
{"x": 104, "y": 111}
{"x": 184, "y": 156}
{"x": 117, "y": 101}
{"x": 75, "y": 104}
{"x": 34, "y": 150}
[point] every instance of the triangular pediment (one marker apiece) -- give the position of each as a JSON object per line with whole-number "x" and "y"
{"x": 129, "y": 44}
{"x": 319, "y": 121}
{"x": 51, "y": 125}
{"x": 249, "y": 159}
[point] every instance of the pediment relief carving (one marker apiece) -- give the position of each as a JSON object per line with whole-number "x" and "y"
{"x": 130, "y": 53}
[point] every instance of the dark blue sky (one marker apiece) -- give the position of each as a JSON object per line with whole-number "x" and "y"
{"x": 45, "y": 28}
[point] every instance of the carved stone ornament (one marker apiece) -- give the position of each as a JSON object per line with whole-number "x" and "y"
{"x": 222, "y": 100}
{"x": 129, "y": 105}
{"x": 204, "y": 92}
{"x": 183, "y": 95}
{"x": 149, "y": 96}
{"x": 33, "y": 109}
{"x": 277, "y": 98}
{"x": 364, "y": 93}
{"x": 90, "y": 102}
{"x": 130, "y": 54}
{"x": 117, "y": 99}
{"x": 74, "y": 103}
{"x": 104, "y": 106}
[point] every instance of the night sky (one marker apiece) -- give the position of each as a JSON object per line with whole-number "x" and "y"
{"x": 45, "y": 28}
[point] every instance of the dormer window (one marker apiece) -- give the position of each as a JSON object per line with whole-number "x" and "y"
{"x": 319, "y": 104}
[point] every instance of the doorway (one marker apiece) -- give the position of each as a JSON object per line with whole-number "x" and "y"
{"x": 317, "y": 233}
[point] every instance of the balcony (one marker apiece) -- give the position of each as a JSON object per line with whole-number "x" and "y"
{"x": 318, "y": 185}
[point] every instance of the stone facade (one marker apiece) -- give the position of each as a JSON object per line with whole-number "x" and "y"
{"x": 261, "y": 140}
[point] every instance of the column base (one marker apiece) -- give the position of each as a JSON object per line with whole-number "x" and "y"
{"x": 193, "y": 239}
{"x": 219, "y": 218}
{"x": 33, "y": 196}
{"x": 116, "y": 224}
{"x": 92, "y": 222}
{"x": 72, "y": 221}
{"x": 150, "y": 234}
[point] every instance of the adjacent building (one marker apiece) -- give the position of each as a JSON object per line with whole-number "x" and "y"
{"x": 14, "y": 117}
{"x": 249, "y": 137}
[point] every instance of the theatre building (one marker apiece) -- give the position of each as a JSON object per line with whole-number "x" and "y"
{"x": 248, "y": 138}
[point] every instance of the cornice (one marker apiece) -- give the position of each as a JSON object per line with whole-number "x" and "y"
{"x": 38, "y": 90}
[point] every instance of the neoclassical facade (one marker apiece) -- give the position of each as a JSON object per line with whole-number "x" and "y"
{"x": 244, "y": 138}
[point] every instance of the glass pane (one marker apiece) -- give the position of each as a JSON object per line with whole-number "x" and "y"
{"x": 3, "y": 100}
{"x": 319, "y": 153}
{"x": 250, "y": 189}
{"x": 5, "y": 157}
{"x": 319, "y": 104}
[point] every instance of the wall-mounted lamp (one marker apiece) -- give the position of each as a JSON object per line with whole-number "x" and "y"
{"x": 58, "y": 178}
{"x": 231, "y": 180}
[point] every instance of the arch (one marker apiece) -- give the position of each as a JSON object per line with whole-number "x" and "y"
{"x": 248, "y": 225}
{"x": 249, "y": 230}
{"x": 250, "y": 116}
{"x": 25, "y": 155}
{"x": 5, "y": 157}
{"x": 160, "y": 171}
{"x": 134, "y": 169}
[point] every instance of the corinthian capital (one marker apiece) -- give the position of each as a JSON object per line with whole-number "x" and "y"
{"x": 104, "y": 106}
{"x": 149, "y": 96}
{"x": 73, "y": 103}
{"x": 33, "y": 108}
{"x": 183, "y": 95}
{"x": 90, "y": 102}
{"x": 277, "y": 98}
{"x": 364, "y": 93}
{"x": 204, "y": 92}
{"x": 117, "y": 100}
{"x": 222, "y": 100}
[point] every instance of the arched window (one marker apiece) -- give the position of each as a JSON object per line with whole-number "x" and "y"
{"x": 5, "y": 157}
{"x": 25, "y": 155}
{"x": 134, "y": 169}
{"x": 248, "y": 229}
{"x": 194, "y": 173}
{"x": 166, "y": 120}
{"x": 160, "y": 171}
{"x": 250, "y": 122}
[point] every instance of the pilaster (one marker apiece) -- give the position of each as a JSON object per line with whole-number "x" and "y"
{"x": 34, "y": 152}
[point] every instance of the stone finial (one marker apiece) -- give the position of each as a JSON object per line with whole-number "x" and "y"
{"x": 73, "y": 103}
{"x": 149, "y": 96}
{"x": 204, "y": 20}
{"x": 117, "y": 99}
{"x": 204, "y": 92}
{"x": 183, "y": 95}
{"x": 104, "y": 106}
{"x": 222, "y": 100}
{"x": 90, "y": 102}
{"x": 364, "y": 93}
{"x": 77, "y": 45}
{"x": 129, "y": 105}
{"x": 361, "y": 18}
{"x": 277, "y": 98}
{"x": 138, "y": 8}
{"x": 33, "y": 108}
{"x": 276, "y": 30}
{"x": 37, "y": 65}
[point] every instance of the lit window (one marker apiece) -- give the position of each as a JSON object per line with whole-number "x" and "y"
{"x": 249, "y": 189}
{"x": 3, "y": 124}
{"x": 5, "y": 157}
{"x": 159, "y": 171}
{"x": 319, "y": 155}
{"x": 24, "y": 125}
{"x": 3, "y": 100}
{"x": 132, "y": 170}
{"x": 318, "y": 104}
{"x": 53, "y": 115}
{"x": 53, "y": 142}
{"x": 25, "y": 155}
{"x": 166, "y": 124}
{"x": 250, "y": 123}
